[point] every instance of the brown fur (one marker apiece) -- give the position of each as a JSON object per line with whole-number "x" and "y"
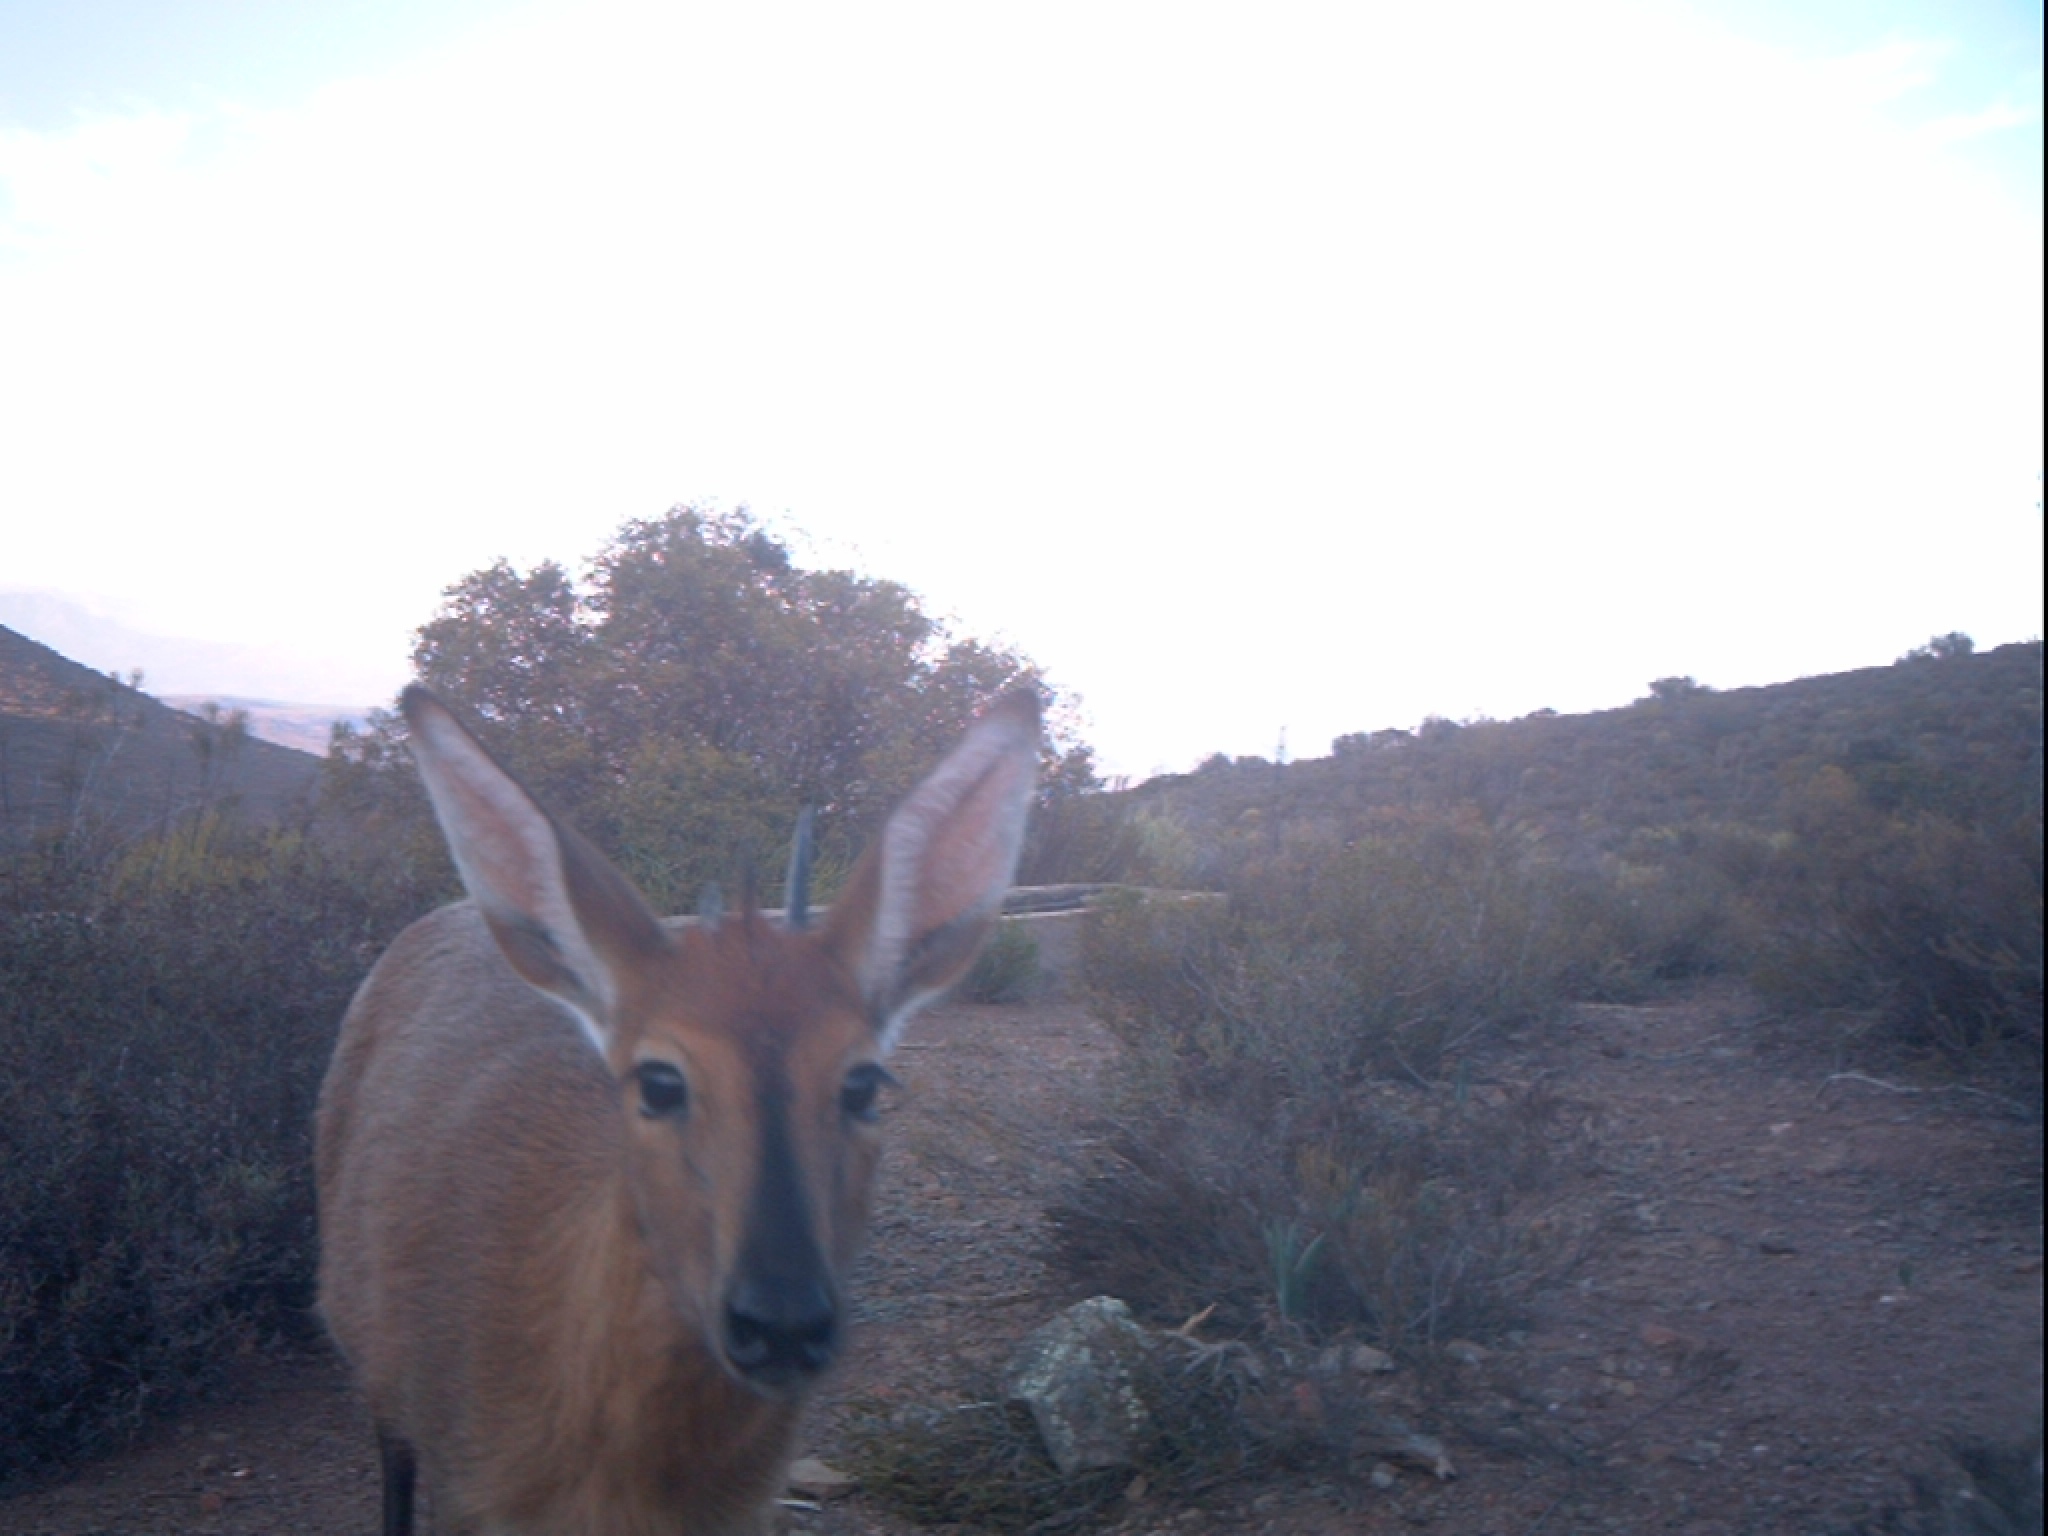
{"x": 528, "y": 1274}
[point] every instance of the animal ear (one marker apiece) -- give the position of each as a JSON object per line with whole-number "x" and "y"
{"x": 926, "y": 895}
{"x": 568, "y": 921}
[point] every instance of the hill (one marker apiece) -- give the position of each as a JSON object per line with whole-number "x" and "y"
{"x": 81, "y": 749}
{"x": 1957, "y": 735}
{"x": 306, "y": 727}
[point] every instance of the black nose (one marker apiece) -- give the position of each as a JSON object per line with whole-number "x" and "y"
{"x": 779, "y": 1331}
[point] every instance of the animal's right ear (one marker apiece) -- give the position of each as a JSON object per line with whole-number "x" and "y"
{"x": 568, "y": 921}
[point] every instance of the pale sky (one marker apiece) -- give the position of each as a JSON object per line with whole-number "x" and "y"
{"x": 1254, "y": 368}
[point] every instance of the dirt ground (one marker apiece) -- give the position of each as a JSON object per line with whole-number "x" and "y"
{"x": 1805, "y": 1281}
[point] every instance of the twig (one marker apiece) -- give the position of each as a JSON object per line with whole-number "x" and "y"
{"x": 1877, "y": 1082}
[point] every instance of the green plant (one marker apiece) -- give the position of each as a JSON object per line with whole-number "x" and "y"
{"x": 1293, "y": 1264}
{"x": 1006, "y": 970}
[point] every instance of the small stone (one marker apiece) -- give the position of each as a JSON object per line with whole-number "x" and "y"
{"x": 1465, "y": 1352}
{"x": 810, "y": 1478}
{"x": 1657, "y": 1336}
{"x": 1384, "y": 1477}
{"x": 1368, "y": 1361}
{"x": 1307, "y": 1401}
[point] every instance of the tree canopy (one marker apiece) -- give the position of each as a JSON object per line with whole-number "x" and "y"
{"x": 696, "y": 688}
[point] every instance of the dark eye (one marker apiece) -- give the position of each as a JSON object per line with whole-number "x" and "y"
{"x": 664, "y": 1091}
{"x": 857, "y": 1094}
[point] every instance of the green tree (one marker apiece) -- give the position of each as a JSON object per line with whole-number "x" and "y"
{"x": 698, "y": 688}
{"x": 1942, "y": 648}
{"x": 1669, "y": 690}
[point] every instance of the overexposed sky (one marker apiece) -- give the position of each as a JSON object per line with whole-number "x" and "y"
{"x": 1254, "y": 367}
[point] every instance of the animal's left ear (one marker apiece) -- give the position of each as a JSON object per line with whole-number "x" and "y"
{"x": 927, "y": 894}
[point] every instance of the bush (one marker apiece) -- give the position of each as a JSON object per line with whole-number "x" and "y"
{"x": 166, "y": 1018}
{"x": 1922, "y": 925}
{"x": 1430, "y": 927}
{"x": 1006, "y": 970}
{"x": 1410, "y": 1227}
{"x": 1681, "y": 902}
{"x": 1261, "y": 1165}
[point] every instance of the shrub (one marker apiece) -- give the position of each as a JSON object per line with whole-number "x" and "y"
{"x": 1681, "y": 902}
{"x": 1923, "y": 925}
{"x": 1261, "y": 1165}
{"x": 1006, "y": 970}
{"x": 166, "y": 1019}
{"x": 1410, "y": 1227}
{"x": 1437, "y": 925}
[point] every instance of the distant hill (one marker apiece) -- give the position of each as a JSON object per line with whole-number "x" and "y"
{"x": 1957, "y": 735}
{"x": 81, "y": 749}
{"x": 270, "y": 668}
{"x": 305, "y": 727}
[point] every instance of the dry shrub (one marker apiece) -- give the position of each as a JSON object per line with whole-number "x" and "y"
{"x": 1258, "y": 1165}
{"x": 981, "y": 1466}
{"x": 1926, "y": 927}
{"x": 1007, "y": 969}
{"x": 1679, "y": 902}
{"x": 1406, "y": 1229}
{"x": 1439, "y": 925}
{"x": 166, "y": 1018}
{"x": 1986, "y": 1488}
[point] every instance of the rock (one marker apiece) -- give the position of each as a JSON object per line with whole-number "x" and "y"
{"x": 1657, "y": 1336}
{"x": 1368, "y": 1361}
{"x": 1306, "y": 1402}
{"x": 1077, "y": 1375}
{"x": 810, "y": 1478}
{"x": 1392, "y": 1442}
{"x": 1465, "y": 1352}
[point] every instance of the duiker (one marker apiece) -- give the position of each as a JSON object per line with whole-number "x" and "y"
{"x": 589, "y": 1182}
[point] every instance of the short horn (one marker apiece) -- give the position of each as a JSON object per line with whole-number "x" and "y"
{"x": 796, "y": 895}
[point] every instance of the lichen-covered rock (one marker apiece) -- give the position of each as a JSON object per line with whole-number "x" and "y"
{"x": 1079, "y": 1376}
